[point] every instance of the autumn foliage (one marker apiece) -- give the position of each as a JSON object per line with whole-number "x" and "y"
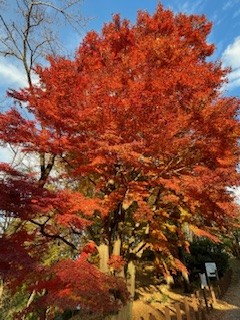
{"x": 140, "y": 115}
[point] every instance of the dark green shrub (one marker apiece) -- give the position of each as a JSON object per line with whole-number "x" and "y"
{"x": 203, "y": 250}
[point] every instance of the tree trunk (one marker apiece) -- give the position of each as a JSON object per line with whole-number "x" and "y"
{"x": 103, "y": 251}
{"x": 131, "y": 286}
{"x": 117, "y": 252}
{"x": 126, "y": 312}
{"x": 1, "y": 292}
{"x": 186, "y": 282}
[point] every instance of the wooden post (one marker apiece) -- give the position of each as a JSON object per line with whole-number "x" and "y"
{"x": 187, "y": 309}
{"x": 204, "y": 315}
{"x": 199, "y": 302}
{"x": 195, "y": 306}
{"x": 219, "y": 291}
{"x": 213, "y": 296}
{"x": 167, "y": 313}
{"x": 205, "y": 299}
{"x": 178, "y": 311}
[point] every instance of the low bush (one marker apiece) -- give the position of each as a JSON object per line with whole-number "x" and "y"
{"x": 203, "y": 250}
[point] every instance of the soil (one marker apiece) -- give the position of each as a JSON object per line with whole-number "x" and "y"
{"x": 153, "y": 298}
{"x": 228, "y": 308}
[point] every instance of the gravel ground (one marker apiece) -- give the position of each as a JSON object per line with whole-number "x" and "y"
{"x": 228, "y": 308}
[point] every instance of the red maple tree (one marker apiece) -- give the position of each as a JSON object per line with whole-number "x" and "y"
{"x": 140, "y": 114}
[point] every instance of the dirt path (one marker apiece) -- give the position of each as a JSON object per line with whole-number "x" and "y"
{"x": 154, "y": 298}
{"x": 228, "y": 308}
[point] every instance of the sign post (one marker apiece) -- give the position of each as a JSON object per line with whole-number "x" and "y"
{"x": 211, "y": 270}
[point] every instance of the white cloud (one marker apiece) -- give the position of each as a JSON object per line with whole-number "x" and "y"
{"x": 236, "y": 13}
{"x": 227, "y": 5}
{"x": 231, "y": 55}
{"x": 11, "y": 75}
{"x": 234, "y": 75}
{"x": 14, "y": 77}
{"x": 5, "y": 154}
{"x": 231, "y": 58}
{"x": 18, "y": 159}
{"x": 235, "y": 191}
{"x": 230, "y": 4}
{"x": 189, "y": 7}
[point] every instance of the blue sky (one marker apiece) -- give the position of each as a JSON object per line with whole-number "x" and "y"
{"x": 225, "y": 15}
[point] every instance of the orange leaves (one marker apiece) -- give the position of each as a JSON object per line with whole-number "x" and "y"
{"x": 116, "y": 262}
{"x": 66, "y": 292}
{"x": 111, "y": 201}
{"x": 180, "y": 266}
{"x": 75, "y": 210}
{"x": 203, "y": 233}
{"x": 98, "y": 160}
{"x": 69, "y": 220}
{"x": 75, "y": 202}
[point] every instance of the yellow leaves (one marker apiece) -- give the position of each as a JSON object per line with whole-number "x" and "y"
{"x": 164, "y": 213}
{"x": 171, "y": 227}
{"x": 127, "y": 202}
{"x": 185, "y": 214}
{"x": 158, "y": 234}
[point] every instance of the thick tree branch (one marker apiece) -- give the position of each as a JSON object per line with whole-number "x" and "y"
{"x": 45, "y": 169}
{"x": 51, "y": 236}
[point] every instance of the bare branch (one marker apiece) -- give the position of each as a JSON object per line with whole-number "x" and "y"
{"x": 10, "y": 36}
{"x": 30, "y": 33}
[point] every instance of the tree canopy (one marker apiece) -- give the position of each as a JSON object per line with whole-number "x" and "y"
{"x": 139, "y": 116}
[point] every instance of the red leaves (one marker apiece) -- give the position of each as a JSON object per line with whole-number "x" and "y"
{"x": 80, "y": 284}
{"x": 15, "y": 129}
{"x": 90, "y": 248}
{"x": 7, "y": 170}
{"x": 16, "y": 262}
{"x": 21, "y": 197}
